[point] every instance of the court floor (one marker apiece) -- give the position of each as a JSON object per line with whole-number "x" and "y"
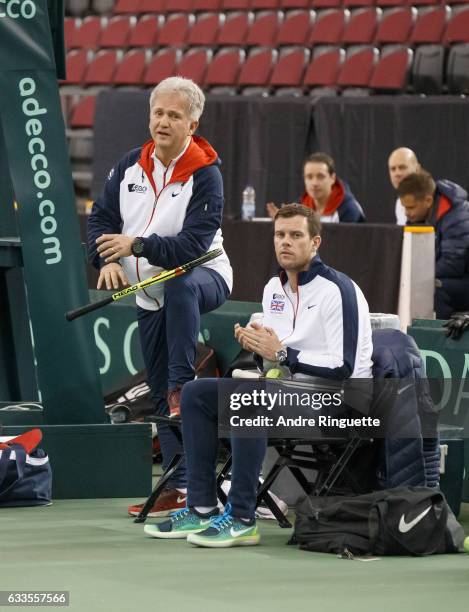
{"x": 92, "y": 549}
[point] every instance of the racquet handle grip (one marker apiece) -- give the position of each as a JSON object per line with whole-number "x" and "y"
{"x": 73, "y": 314}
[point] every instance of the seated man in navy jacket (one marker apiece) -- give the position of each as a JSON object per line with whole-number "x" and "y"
{"x": 444, "y": 205}
{"x": 316, "y": 322}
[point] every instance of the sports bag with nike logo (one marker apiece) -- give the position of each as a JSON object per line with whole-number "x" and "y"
{"x": 400, "y": 521}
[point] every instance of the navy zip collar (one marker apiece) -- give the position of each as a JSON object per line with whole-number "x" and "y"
{"x": 316, "y": 267}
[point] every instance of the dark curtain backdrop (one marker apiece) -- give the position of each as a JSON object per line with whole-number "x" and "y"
{"x": 361, "y": 133}
{"x": 369, "y": 254}
{"x": 263, "y": 141}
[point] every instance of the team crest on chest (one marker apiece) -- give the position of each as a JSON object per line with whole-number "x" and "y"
{"x": 277, "y": 304}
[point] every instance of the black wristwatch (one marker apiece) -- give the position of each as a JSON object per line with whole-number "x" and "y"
{"x": 137, "y": 247}
{"x": 281, "y": 356}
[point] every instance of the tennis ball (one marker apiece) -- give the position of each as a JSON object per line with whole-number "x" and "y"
{"x": 274, "y": 373}
{"x": 466, "y": 544}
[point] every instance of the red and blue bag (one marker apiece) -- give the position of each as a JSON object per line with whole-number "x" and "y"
{"x": 25, "y": 472}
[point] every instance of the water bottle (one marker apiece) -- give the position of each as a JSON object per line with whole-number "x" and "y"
{"x": 248, "y": 208}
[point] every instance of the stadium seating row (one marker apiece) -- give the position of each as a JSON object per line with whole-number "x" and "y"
{"x": 273, "y": 29}
{"x": 104, "y": 7}
{"x": 292, "y": 71}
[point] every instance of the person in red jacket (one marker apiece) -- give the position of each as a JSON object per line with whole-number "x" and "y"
{"x": 326, "y": 194}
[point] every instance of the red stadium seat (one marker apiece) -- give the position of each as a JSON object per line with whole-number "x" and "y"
{"x": 323, "y": 70}
{"x": 127, "y": 7}
{"x": 163, "y": 64}
{"x": 320, "y": 4}
{"x": 205, "y": 30}
{"x": 117, "y": 32}
{"x": 430, "y": 25}
{"x": 328, "y": 27}
{"x": 153, "y": 6}
{"x": 289, "y": 70}
{"x": 361, "y": 28}
{"x": 295, "y": 28}
{"x": 70, "y": 27}
{"x": 257, "y": 68}
{"x": 236, "y": 5}
{"x": 286, "y": 5}
{"x": 262, "y": 5}
{"x": 102, "y": 67}
{"x": 358, "y": 67}
{"x": 194, "y": 64}
{"x": 132, "y": 67}
{"x": 235, "y": 29}
{"x": 357, "y": 3}
{"x": 146, "y": 32}
{"x": 225, "y": 67}
{"x": 206, "y": 5}
{"x": 396, "y": 25}
{"x": 392, "y": 71}
{"x": 264, "y": 30}
{"x": 179, "y": 6}
{"x": 77, "y": 61}
{"x": 458, "y": 27}
{"x": 458, "y": 2}
{"x": 83, "y": 113}
{"x": 386, "y": 3}
{"x": 175, "y": 30}
{"x": 425, "y": 2}
{"x": 87, "y": 35}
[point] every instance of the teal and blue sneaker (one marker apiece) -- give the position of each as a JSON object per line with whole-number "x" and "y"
{"x": 225, "y": 531}
{"x": 180, "y": 524}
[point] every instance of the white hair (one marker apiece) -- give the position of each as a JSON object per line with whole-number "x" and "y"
{"x": 186, "y": 88}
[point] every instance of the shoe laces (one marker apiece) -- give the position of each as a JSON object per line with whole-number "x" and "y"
{"x": 178, "y": 515}
{"x": 223, "y": 520}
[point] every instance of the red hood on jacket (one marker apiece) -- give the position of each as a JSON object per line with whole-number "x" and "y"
{"x": 336, "y": 198}
{"x": 442, "y": 207}
{"x": 198, "y": 154}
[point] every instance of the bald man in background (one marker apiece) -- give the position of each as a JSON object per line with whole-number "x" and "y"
{"x": 401, "y": 163}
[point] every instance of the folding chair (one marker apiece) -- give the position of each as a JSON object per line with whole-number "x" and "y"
{"x": 175, "y": 426}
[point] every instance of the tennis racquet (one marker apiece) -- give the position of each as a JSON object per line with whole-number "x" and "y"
{"x": 159, "y": 278}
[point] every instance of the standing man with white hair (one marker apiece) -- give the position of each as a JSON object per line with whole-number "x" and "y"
{"x": 162, "y": 206}
{"x": 401, "y": 163}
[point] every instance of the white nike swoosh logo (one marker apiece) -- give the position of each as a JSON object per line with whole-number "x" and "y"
{"x": 181, "y": 500}
{"x": 405, "y": 527}
{"x": 238, "y": 532}
{"x": 405, "y": 388}
{"x": 205, "y": 522}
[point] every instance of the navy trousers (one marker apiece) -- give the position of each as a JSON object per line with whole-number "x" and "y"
{"x": 199, "y": 408}
{"x": 169, "y": 339}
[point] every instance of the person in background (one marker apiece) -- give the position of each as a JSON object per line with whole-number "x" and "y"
{"x": 401, "y": 163}
{"x": 443, "y": 205}
{"x": 325, "y": 193}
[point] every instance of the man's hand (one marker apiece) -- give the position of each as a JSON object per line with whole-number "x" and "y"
{"x": 457, "y": 324}
{"x": 272, "y": 209}
{"x": 111, "y": 247}
{"x": 261, "y": 340}
{"x": 110, "y": 276}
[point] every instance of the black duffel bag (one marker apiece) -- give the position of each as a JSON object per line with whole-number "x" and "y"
{"x": 400, "y": 521}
